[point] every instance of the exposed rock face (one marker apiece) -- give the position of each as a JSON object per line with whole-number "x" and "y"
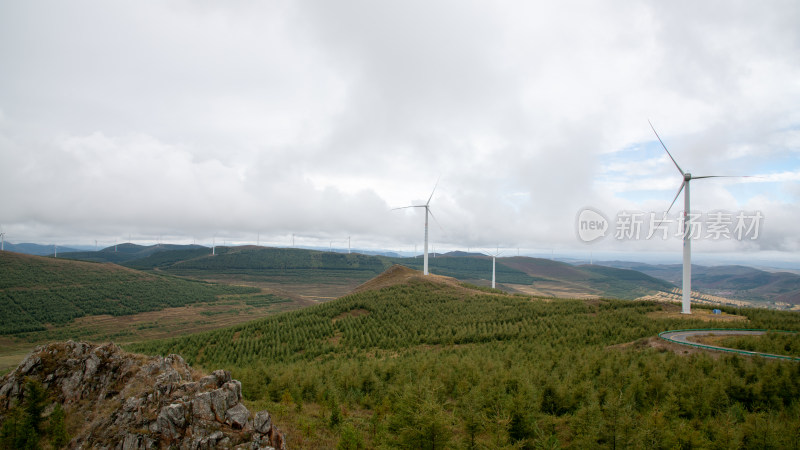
{"x": 136, "y": 402}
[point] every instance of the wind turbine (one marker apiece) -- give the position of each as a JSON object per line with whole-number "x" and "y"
{"x": 687, "y": 242}
{"x": 494, "y": 257}
{"x": 427, "y": 207}
{"x": 2, "y": 240}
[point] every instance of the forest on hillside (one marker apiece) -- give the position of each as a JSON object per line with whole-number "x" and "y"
{"x": 425, "y": 365}
{"x": 36, "y": 291}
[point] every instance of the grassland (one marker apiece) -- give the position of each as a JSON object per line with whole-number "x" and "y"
{"x": 424, "y": 362}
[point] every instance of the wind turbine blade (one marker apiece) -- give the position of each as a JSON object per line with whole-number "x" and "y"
{"x": 676, "y": 196}
{"x": 412, "y": 206}
{"x": 434, "y": 190}
{"x": 670, "y": 205}
{"x": 665, "y": 148}
{"x": 435, "y": 220}
{"x": 724, "y": 176}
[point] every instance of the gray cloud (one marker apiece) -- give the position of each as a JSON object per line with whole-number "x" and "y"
{"x": 195, "y": 119}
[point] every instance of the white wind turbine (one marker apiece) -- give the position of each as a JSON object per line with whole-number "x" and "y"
{"x": 427, "y": 207}
{"x": 687, "y": 242}
{"x": 2, "y": 239}
{"x": 494, "y": 257}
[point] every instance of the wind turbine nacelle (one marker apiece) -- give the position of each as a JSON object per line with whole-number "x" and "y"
{"x": 687, "y": 176}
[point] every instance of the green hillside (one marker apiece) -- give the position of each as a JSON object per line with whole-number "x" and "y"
{"x": 302, "y": 266}
{"x": 426, "y": 362}
{"x": 623, "y": 283}
{"x": 36, "y": 291}
{"x": 123, "y": 253}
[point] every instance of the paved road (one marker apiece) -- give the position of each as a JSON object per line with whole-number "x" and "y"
{"x": 682, "y": 337}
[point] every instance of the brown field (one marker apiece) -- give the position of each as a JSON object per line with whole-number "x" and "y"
{"x": 705, "y": 299}
{"x": 311, "y": 292}
{"x": 557, "y": 289}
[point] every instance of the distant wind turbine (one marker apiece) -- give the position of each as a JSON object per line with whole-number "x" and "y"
{"x": 427, "y": 207}
{"x": 494, "y": 257}
{"x": 687, "y": 242}
{"x": 2, "y": 240}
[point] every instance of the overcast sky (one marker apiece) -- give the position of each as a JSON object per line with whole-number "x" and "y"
{"x": 188, "y": 120}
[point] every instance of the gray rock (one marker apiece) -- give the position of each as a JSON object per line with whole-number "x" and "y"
{"x": 132, "y": 442}
{"x": 137, "y": 402}
{"x": 170, "y": 420}
{"x": 223, "y": 399}
{"x": 262, "y": 422}
{"x": 201, "y": 407}
{"x": 29, "y": 364}
{"x": 91, "y": 364}
{"x": 237, "y": 416}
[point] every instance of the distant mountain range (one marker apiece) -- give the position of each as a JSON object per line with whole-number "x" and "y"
{"x": 294, "y": 265}
{"x": 537, "y": 276}
{"x": 732, "y": 281}
{"x": 36, "y": 249}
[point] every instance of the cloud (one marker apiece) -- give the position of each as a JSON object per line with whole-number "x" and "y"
{"x": 316, "y": 118}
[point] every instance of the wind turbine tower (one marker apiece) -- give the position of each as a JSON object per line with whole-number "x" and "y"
{"x": 428, "y": 212}
{"x": 494, "y": 258}
{"x": 687, "y": 242}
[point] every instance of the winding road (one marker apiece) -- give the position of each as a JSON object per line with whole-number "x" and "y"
{"x": 682, "y": 337}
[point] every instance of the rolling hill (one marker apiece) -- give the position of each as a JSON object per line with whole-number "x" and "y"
{"x": 35, "y": 249}
{"x": 123, "y": 253}
{"x": 599, "y": 280}
{"x": 739, "y": 282}
{"x": 37, "y": 291}
{"x": 292, "y": 266}
{"x": 427, "y": 362}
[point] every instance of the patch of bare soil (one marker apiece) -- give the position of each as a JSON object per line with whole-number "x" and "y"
{"x": 351, "y": 313}
{"x": 662, "y": 346}
{"x": 557, "y": 289}
{"x": 671, "y": 311}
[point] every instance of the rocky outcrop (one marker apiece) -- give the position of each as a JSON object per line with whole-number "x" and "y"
{"x": 136, "y": 402}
